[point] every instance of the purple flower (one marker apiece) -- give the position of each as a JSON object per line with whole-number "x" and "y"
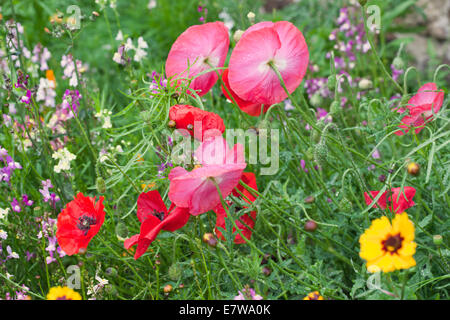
{"x": 26, "y": 201}
{"x": 27, "y": 98}
{"x": 247, "y": 294}
{"x": 15, "y": 205}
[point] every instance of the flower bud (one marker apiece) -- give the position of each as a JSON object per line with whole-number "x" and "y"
{"x": 121, "y": 231}
{"x": 251, "y": 17}
{"x": 316, "y": 100}
{"x": 174, "y": 272}
{"x": 112, "y": 272}
{"x": 266, "y": 271}
{"x": 321, "y": 153}
{"x": 209, "y": 239}
{"x": 365, "y": 84}
{"x": 237, "y": 35}
{"x": 101, "y": 185}
{"x": 168, "y": 288}
{"x": 413, "y": 169}
{"x": 345, "y": 205}
{"x": 309, "y": 199}
{"x": 438, "y": 240}
{"x": 146, "y": 115}
{"x": 335, "y": 107}
{"x": 362, "y": 2}
{"x": 331, "y": 83}
{"x": 398, "y": 63}
{"x": 310, "y": 225}
{"x": 171, "y": 124}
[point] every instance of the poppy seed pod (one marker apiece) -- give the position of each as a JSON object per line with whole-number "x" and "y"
{"x": 413, "y": 169}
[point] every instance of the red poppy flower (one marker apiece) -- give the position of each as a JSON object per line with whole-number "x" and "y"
{"x": 397, "y": 200}
{"x": 265, "y": 44}
{"x": 421, "y": 107}
{"x": 199, "y": 123}
{"x": 154, "y": 217}
{"x": 197, "y": 49}
{"x": 79, "y": 222}
{"x": 246, "y": 222}
{"x": 251, "y": 108}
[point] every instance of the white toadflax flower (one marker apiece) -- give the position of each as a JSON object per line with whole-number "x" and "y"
{"x": 64, "y": 157}
{"x": 3, "y": 213}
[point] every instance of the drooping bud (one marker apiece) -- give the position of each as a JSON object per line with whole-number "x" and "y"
{"x": 398, "y": 63}
{"x": 345, "y": 205}
{"x": 100, "y": 185}
{"x": 331, "y": 83}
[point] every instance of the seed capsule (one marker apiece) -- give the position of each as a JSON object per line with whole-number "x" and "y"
{"x": 310, "y": 225}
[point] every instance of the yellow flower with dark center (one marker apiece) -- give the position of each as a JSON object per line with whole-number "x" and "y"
{"x": 388, "y": 247}
{"x": 313, "y": 296}
{"x": 63, "y": 293}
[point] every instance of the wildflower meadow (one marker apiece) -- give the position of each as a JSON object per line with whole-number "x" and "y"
{"x": 222, "y": 150}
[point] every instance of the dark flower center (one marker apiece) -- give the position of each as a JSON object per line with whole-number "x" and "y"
{"x": 159, "y": 215}
{"x": 62, "y": 298}
{"x": 85, "y": 222}
{"x": 393, "y": 243}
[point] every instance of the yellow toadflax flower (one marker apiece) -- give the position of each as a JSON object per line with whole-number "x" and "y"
{"x": 389, "y": 247}
{"x": 313, "y": 296}
{"x": 63, "y": 293}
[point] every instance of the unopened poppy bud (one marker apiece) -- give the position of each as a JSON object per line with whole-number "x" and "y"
{"x": 121, "y": 231}
{"x": 438, "y": 240}
{"x": 266, "y": 271}
{"x": 345, "y": 205}
{"x": 382, "y": 178}
{"x": 101, "y": 185}
{"x": 171, "y": 124}
{"x": 316, "y": 100}
{"x": 174, "y": 272}
{"x": 321, "y": 153}
{"x": 210, "y": 239}
{"x": 168, "y": 288}
{"x": 413, "y": 169}
{"x": 237, "y": 35}
{"x": 335, "y": 107}
{"x": 310, "y": 225}
{"x": 365, "y": 84}
{"x": 331, "y": 83}
{"x": 398, "y": 63}
{"x": 112, "y": 272}
{"x": 251, "y": 17}
{"x": 310, "y": 199}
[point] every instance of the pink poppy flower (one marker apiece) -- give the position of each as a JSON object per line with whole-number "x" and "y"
{"x": 195, "y": 189}
{"x": 250, "y": 75}
{"x": 154, "y": 217}
{"x": 395, "y": 198}
{"x": 197, "y": 49}
{"x": 421, "y": 106}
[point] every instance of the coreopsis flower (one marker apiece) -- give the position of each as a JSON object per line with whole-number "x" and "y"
{"x": 262, "y": 46}
{"x": 65, "y": 157}
{"x": 79, "y": 222}
{"x": 397, "y": 200}
{"x": 220, "y": 166}
{"x": 246, "y": 222}
{"x": 199, "y": 123}
{"x": 63, "y": 293}
{"x": 199, "y": 48}
{"x": 421, "y": 107}
{"x": 313, "y": 296}
{"x": 154, "y": 217}
{"x": 388, "y": 247}
{"x": 251, "y": 108}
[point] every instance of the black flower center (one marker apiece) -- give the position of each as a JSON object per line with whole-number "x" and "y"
{"x": 85, "y": 222}
{"x": 159, "y": 215}
{"x": 393, "y": 243}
